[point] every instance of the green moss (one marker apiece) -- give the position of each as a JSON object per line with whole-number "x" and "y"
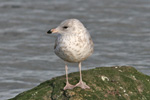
{"x": 106, "y": 83}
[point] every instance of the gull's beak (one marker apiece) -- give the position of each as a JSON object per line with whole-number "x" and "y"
{"x": 52, "y": 31}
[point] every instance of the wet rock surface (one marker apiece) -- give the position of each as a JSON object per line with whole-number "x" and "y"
{"x": 106, "y": 83}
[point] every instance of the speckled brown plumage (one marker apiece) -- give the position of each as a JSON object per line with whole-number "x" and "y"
{"x": 73, "y": 44}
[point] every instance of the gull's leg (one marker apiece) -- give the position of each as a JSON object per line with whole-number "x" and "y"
{"x": 81, "y": 83}
{"x": 68, "y": 85}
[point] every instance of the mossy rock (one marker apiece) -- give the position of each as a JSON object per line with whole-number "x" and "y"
{"x": 106, "y": 83}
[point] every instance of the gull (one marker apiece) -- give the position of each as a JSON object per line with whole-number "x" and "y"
{"x": 73, "y": 44}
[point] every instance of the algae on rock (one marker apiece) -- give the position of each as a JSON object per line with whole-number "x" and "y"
{"x": 106, "y": 83}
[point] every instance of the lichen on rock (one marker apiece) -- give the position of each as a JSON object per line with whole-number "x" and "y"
{"x": 106, "y": 83}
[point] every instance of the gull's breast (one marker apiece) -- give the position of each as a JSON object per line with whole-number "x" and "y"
{"x": 73, "y": 48}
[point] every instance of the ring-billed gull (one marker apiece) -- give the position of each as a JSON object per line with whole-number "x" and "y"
{"x": 73, "y": 44}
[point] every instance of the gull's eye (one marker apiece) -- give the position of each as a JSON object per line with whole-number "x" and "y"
{"x": 65, "y": 27}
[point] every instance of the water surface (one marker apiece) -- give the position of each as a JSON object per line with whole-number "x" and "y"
{"x": 120, "y": 30}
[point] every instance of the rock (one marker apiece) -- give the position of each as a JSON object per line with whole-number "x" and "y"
{"x": 106, "y": 83}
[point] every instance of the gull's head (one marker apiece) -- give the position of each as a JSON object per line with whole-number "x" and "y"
{"x": 69, "y": 26}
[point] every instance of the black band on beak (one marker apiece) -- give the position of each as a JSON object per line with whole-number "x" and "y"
{"x": 49, "y": 32}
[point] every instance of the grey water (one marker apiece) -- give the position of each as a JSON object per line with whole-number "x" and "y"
{"x": 120, "y": 30}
